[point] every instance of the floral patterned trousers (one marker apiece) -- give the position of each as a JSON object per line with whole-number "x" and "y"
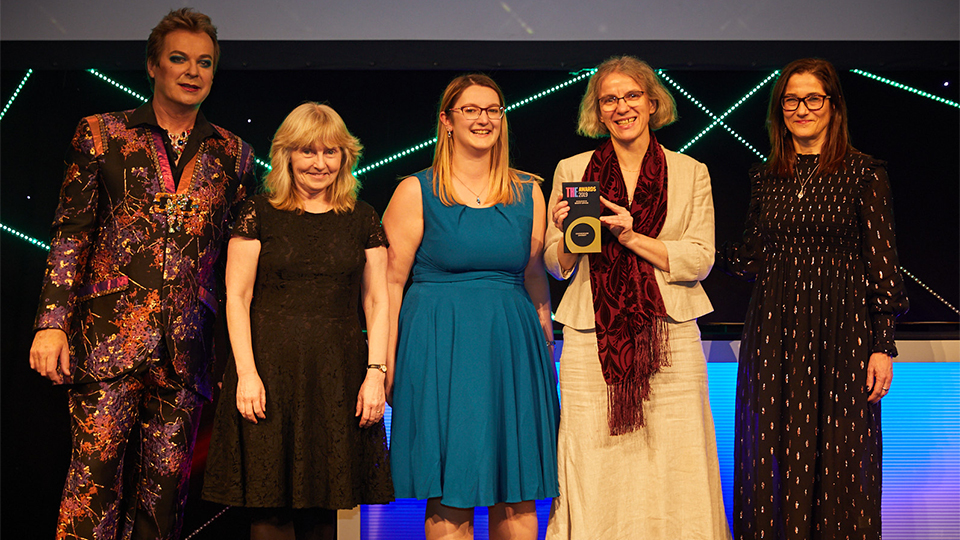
{"x": 133, "y": 442}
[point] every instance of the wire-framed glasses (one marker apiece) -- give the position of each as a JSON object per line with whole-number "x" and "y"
{"x": 471, "y": 112}
{"x": 610, "y": 103}
{"x": 814, "y": 102}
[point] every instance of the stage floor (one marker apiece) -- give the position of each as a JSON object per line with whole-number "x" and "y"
{"x": 921, "y": 452}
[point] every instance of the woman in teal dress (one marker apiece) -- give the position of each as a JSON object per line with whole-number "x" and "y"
{"x": 475, "y": 410}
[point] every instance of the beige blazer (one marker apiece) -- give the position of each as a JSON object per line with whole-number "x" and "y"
{"x": 687, "y": 234}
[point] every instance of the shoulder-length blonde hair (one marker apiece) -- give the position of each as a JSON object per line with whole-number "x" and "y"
{"x": 308, "y": 126}
{"x": 783, "y": 155}
{"x": 589, "y": 123}
{"x": 504, "y": 182}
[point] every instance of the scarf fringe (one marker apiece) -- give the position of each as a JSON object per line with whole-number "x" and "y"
{"x": 625, "y": 398}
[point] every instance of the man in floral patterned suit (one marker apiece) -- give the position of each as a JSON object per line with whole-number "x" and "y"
{"x": 130, "y": 294}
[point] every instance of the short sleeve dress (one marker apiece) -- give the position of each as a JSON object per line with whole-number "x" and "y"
{"x": 475, "y": 407}
{"x": 311, "y": 354}
{"x": 827, "y": 294}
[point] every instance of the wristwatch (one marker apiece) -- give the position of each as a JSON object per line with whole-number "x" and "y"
{"x": 381, "y": 367}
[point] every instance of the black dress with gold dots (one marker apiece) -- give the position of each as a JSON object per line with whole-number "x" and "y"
{"x": 826, "y": 296}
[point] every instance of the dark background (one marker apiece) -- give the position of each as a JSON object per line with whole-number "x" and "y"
{"x": 390, "y": 104}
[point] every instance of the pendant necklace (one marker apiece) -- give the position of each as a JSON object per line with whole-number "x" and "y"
{"x": 179, "y": 141}
{"x": 803, "y": 183}
{"x": 475, "y": 194}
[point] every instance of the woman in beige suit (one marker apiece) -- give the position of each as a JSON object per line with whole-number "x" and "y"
{"x": 637, "y": 450}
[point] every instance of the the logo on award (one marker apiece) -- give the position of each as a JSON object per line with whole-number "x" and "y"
{"x": 583, "y": 235}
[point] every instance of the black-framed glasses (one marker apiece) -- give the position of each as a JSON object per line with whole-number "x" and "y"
{"x": 472, "y": 113}
{"x": 814, "y": 102}
{"x": 610, "y": 103}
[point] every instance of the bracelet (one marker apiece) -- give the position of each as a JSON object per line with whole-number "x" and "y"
{"x": 381, "y": 367}
{"x": 551, "y": 343}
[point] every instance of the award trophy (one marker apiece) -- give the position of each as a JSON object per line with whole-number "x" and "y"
{"x": 581, "y": 228}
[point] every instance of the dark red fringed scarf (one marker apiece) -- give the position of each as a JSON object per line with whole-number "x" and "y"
{"x": 630, "y": 315}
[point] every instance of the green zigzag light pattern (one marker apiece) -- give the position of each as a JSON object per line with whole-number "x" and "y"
{"x": 703, "y": 108}
{"x": 117, "y": 85}
{"x": 15, "y": 93}
{"x": 22, "y": 236}
{"x": 430, "y": 142}
{"x": 910, "y": 89}
{"x": 143, "y": 99}
{"x": 583, "y": 74}
{"x": 717, "y": 120}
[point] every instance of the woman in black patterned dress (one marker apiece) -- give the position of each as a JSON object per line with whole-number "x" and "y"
{"x": 817, "y": 347}
{"x": 299, "y": 428}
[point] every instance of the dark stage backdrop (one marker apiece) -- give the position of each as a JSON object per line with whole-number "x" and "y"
{"x": 394, "y": 110}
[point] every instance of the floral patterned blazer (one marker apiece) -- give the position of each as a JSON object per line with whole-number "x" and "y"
{"x": 135, "y": 245}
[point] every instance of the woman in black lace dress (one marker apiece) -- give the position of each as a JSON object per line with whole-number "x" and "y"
{"x": 299, "y": 429}
{"x": 815, "y": 359}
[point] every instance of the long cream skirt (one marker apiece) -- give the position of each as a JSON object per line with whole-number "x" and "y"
{"x": 659, "y": 482}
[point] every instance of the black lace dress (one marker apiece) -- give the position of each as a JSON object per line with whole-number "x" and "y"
{"x": 827, "y": 293}
{"x": 311, "y": 354}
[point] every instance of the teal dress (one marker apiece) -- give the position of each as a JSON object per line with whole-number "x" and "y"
{"x": 475, "y": 409}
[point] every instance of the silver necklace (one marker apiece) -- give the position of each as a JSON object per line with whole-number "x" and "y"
{"x": 475, "y": 194}
{"x": 803, "y": 183}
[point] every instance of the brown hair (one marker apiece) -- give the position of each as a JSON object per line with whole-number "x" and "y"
{"x": 641, "y": 72}
{"x": 181, "y": 19}
{"x": 309, "y": 125}
{"x": 505, "y": 182}
{"x": 783, "y": 155}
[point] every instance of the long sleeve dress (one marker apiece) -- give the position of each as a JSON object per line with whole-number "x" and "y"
{"x": 826, "y": 295}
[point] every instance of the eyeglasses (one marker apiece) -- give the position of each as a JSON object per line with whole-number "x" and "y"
{"x": 814, "y": 102}
{"x": 610, "y": 103}
{"x": 472, "y": 113}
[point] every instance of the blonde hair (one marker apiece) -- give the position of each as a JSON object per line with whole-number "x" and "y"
{"x": 641, "y": 72}
{"x": 308, "y": 126}
{"x": 505, "y": 182}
